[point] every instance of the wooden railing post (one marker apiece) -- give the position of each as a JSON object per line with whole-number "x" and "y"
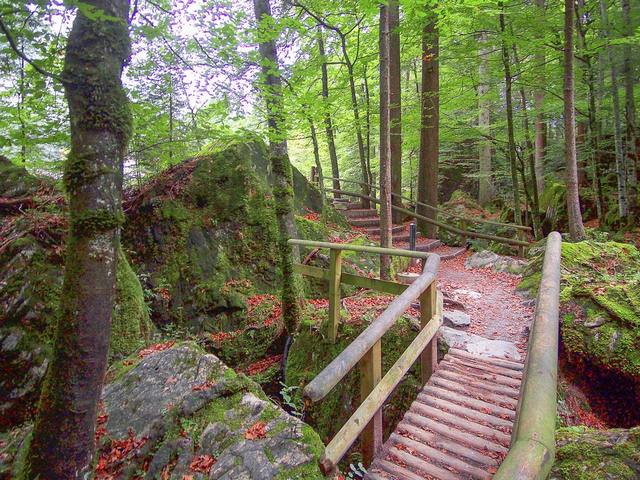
{"x": 370, "y": 375}
{"x": 521, "y": 249}
{"x": 335, "y": 272}
{"x": 428, "y": 308}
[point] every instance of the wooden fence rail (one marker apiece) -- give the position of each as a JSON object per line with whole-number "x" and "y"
{"x": 365, "y": 351}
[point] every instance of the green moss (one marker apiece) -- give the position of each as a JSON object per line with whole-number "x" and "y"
{"x": 131, "y": 327}
{"x": 310, "y": 230}
{"x": 585, "y": 454}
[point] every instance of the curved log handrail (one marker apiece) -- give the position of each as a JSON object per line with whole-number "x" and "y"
{"x": 444, "y": 226}
{"x": 438, "y": 210}
{"x": 533, "y": 447}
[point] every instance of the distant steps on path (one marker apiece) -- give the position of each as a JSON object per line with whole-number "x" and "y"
{"x": 459, "y": 427}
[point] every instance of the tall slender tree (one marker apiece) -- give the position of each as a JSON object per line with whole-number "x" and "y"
{"x": 576, "y": 229}
{"x": 385, "y": 142}
{"x": 538, "y": 102}
{"x": 271, "y": 87}
{"x": 485, "y": 186}
{"x": 429, "y": 127}
{"x": 63, "y": 443}
{"x": 395, "y": 106}
{"x": 630, "y": 113}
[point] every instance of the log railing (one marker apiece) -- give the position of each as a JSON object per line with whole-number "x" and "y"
{"x": 365, "y": 351}
{"x": 532, "y": 449}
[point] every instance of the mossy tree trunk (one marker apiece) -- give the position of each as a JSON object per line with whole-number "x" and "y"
{"x": 630, "y": 113}
{"x": 385, "y": 142}
{"x": 485, "y": 184}
{"x": 576, "y": 229}
{"x": 429, "y": 126}
{"x": 63, "y": 443}
{"x": 395, "y": 106}
{"x": 271, "y": 86}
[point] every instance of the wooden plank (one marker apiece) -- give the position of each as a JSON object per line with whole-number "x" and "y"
{"x": 429, "y": 357}
{"x": 442, "y": 442}
{"x": 397, "y": 471}
{"x": 475, "y": 415}
{"x": 461, "y": 423}
{"x": 500, "y": 362}
{"x": 470, "y": 402}
{"x": 370, "y": 376}
{"x": 456, "y": 377}
{"x": 476, "y": 392}
{"x": 462, "y": 436}
{"x": 481, "y": 374}
{"x": 490, "y": 367}
{"x": 440, "y": 457}
{"x": 350, "y": 431}
{"x": 335, "y": 271}
{"x": 421, "y": 465}
{"x": 376, "y": 284}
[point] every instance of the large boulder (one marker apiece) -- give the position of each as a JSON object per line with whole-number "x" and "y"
{"x": 189, "y": 414}
{"x": 587, "y": 454}
{"x": 478, "y": 345}
{"x": 600, "y": 305}
{"x": 499, "y": 263}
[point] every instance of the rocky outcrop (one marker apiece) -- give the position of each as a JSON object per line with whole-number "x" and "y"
{"x": 587, "y": 454}
{"x": 179, "y": 413}
{"x": 499, "y": 263}
{"x": 478, "y": 345}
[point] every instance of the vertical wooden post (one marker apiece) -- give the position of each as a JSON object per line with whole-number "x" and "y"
{"x": 428, "y": 308}
{"x": 521, "y": 236}
{"x": 335, "y": 272}
{"x": 370, "y": 374}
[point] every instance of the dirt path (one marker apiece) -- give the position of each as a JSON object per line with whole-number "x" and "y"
{"x": 490, "y": 298}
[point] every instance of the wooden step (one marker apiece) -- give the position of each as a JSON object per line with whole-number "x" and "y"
{"x": 426, "y": 245}
{"x": 500, "y": 362}
{"x": 481, "y": 384}
{"x": 375, "y": 231}
{"x": 485, "y": 395}
{"x": 470, "y": 402}
{"x": 486, "y": 366}
{"x": 360, "y": 212}
{"x": 422, "y": 466}
{"x": 481, "y": 374}
{"x": 365, "y": 222}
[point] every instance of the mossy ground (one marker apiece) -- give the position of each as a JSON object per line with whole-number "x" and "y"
{"x": 586, "y": 454}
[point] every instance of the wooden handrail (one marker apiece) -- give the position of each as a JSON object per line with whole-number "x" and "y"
{"x": 444, "y": 226}
{"x": 533, "y": 446}
{"x": 438, "y": 210}
{"x": 365, "y": 351}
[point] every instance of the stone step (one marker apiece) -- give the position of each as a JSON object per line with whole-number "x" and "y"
{"x": 396, "y": 230}
{"x": 426, "y": 245}
{"x": 360, "y": 212}
{"x": 365, "y": 222}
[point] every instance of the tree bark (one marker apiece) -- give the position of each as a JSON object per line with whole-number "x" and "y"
{"x": 630, "y": 112}
{"x": 538, "y": 101}
{"x": 395, "y": 107}
{"x": 617, "y": 124}
{"x": 367, "y": 106}
{"x": 328, "y": 126}
{"x": 385, "y": 142}
{"x": 576, "y": 229}
{"x": 511, "y": 148}
{"x": 271, "y": 84}
{"x": 485, "y": 185}
{"x": 429, "y": 128}
{"x": 63, "y": 443}
{"x": 316, "y": 153}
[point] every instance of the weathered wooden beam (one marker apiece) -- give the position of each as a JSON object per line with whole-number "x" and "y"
{"x": 350, "y": 431}
{"x": 370, "y": 374}
{"x": 533, "y": 440}
{"x": 322, "y": 384}
{"x": 444, "y": 226}
{"x": 384, "y": 286}
{"x": 429, "y": 357}
{"x": 335, "y": 271}
{"x": 398, "y": 252}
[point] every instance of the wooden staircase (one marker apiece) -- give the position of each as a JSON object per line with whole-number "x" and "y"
{"x": 368, "y": 220}
{"x": 459, "y": 427}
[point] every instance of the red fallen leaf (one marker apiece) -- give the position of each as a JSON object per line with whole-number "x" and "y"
{"x": 203, "y": 386}
{"x": 202, "y": 463}
{"x": 159, "y": 347}
{"x": 262, "y": 365}
{"x": 256, "y": 431}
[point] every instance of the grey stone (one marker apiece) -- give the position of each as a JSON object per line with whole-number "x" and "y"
{"x": 596, "y": 322}
{"x": 499, "y": 263}
{"x": 456, "y": 319}
{"x": 479, "y": 345}
{"x": 482, "y": 259}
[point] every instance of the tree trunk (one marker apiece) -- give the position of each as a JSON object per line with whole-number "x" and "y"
{"x": 630, "y": 112}
{"x": 271, "y": 84}
{"x": 367, "y": 105}
{"x": 594, "y": 126}
{"x": 485, "y": 185}
{"x": 576, "y": 229}
{"x": 316, "y": 153}
{"x": 328, "y": 126}
{"x": 511, "y": 148}
{"x": 395, "y": 107}
{"x": 356, "y": 116}
{"x": 617, "y": 124}
{"x": 385, "y": 143}
{"x": 429, "y": 128}
{"x": 63, "y": 442}
{"x": 538, "y": 101}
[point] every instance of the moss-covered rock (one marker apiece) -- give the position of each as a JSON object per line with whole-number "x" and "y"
{"x": 311, "y": 352}
{"x": 587, "y": 454}
{"x": 600, "y": 299}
